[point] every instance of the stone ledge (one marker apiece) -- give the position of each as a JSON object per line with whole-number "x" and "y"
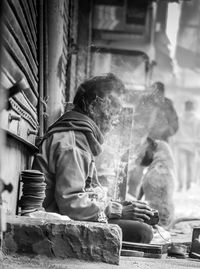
{"x": 63, "y": 239}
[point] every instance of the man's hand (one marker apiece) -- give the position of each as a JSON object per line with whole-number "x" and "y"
{"x": 113, "y": 210}
{"x": 136, "y": 210}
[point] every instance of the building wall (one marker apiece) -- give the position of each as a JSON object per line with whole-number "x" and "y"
{"x": 37, "y": 79}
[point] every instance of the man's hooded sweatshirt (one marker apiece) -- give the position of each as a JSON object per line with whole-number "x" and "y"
{"x": 66, "y": 158}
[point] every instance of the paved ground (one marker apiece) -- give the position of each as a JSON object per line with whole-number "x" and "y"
{"x": 19, "y": 262}
{"x": 187, "y": 205}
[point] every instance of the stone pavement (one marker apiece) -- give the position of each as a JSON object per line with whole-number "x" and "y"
{"x": 16, "y": 261}
{"x": 20, "y": 262}
{"x": 188, "y": 204}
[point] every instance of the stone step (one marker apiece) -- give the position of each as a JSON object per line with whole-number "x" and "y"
{"x": 63, "y": 239}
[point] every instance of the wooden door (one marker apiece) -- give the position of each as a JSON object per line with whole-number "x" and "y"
{"x": 19, "y": 81}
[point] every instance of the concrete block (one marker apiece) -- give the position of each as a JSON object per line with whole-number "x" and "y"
{"x": 63, "y": 239}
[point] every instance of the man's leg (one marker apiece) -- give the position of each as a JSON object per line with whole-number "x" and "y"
{"x": 134, "y": 231}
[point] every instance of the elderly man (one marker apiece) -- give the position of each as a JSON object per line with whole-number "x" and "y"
{"x": 67, "y": 155}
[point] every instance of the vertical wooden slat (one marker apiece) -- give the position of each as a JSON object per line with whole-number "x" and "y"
{"x": 35, "y": 5}
{"x": 29, "y": 19}
{"x": 20, "y": 17}
{"x": 18, "y": 34}
{"x": 3, "y": 96}
{"x": 55, "y": 11}
{"x": 66, "y": 17}
{"x": 45, "y": 55}
{"x": 84, "y": 37}
{"x": 33, "y": 13}
{"x": 20, "y": 60}
{"x": 73, "y": 49}
{"x": 21, "y": 42}
{"x": 41, "y": 66}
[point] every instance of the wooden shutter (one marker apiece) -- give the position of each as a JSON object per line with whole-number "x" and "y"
{"x": 20, "y": 63}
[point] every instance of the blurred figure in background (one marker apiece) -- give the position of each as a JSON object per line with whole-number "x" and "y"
{"x": 187, "y": 143}
{"x": 165, "y": 123}
{"x": 161, "y": 122}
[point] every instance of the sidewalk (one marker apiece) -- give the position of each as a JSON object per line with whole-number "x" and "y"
{"x": 20, "y": 262}
{"x": 187, "y": 205}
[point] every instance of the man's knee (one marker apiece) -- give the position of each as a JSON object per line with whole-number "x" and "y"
{"x": 134, "y": 231}
{"x": 146, "y": 233}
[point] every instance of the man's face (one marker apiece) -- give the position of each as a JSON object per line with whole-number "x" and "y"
{"x": 105, "y": 112}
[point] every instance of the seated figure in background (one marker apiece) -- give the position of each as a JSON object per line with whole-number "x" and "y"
{"x": 161, "y": 122}
{"x": 66, "y": 157}
{"x": 158, "y": 182}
